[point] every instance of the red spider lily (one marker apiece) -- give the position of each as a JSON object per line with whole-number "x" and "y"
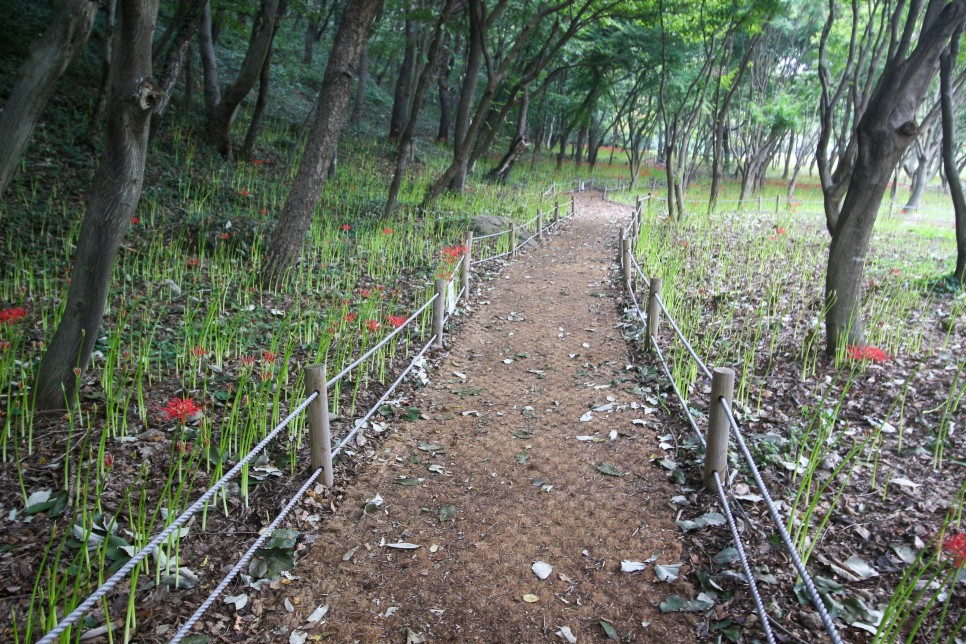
{"x": 193, "y": 262}
{"x": 379, "y": 288}
{"x": 224, "y": 236}
{"x": 372, "y": 325}
{"x": 198, "y": 351}
{"x": 443, "y": 274}
{"x": 874, "y": 354}
{"x": 244, "y": 192}
{"x": 397, "y": 321}
{"x": 5, "y": 345}
{"x": 345, "y": 227}
{"x": 895, "y": 271}
{"x": 135, "y": 221}
{"x": 387, "y": 231}
{"x": 263, "y": 211}
{"x": 181, "y": 408}
{"x": 269, "y": 357}
{"x": 364, "y": 292}
{"x": 15, "y": 314}
{"x": 108, "y": 461}
{"x": 247, "y": 361}
{"x": 683, "y": 243}
{"x": 780, "y": 230}
{"x": 452, "y": 253}
{"x": 350, "y": 317}
{"x": 955, "y": 545}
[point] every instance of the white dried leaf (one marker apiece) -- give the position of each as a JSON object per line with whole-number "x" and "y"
{"x": 318, "y": 614}
{"x": 542, "y": 569}
{"x": 566, "y": 634}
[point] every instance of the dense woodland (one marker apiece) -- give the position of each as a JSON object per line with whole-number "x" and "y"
{"x": 134, "y": 132}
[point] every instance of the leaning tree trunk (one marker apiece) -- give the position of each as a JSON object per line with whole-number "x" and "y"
{"x": 882, "y": 135}
{"x": 402, "y": 95}
{"x": 223, "y": 114}
{"x": 37, "y": 77}
{"x": 330, "y": 113}
{"x": 117, "y": 189}
{"x": 471, "y": 74}
{"x": 360, "y": 99}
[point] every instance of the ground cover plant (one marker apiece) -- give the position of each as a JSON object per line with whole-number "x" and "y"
{"x": 848, "y": 443}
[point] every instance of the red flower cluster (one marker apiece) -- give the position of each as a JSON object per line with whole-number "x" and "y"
{"x": 135, "y": 220}
{"x": 269, "y": 357}
{"x": 955, "y": 545}
{"x": 372, "y": 325}
{"x": 5, "y": 345}
{"x": 875, "y": 354}
{"x": 244, "y": 192}
{"x": 181, "y": 408}
{"x": 397, "y": 320}
{"x": 247, "y": 361}
{"x": 15, "y": 314}
{"x": 780, "y": 230}
{"x": 451, "y": 254}
{"x": 198, "y": 351}
{"x": 193, "y": 262}
{"x": 345, "y": 227}
{"x": 350, "y": 317}
{"x": 387, "y": 231}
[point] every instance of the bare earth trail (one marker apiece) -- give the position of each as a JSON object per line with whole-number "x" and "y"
{"x": 540, "y": 354}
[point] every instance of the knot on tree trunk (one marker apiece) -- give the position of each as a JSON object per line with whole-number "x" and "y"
{"x": 147, "y": 93}
{"x": 909, "y": 128}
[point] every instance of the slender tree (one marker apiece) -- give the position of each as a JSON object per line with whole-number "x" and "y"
{"x": 330, "y": 115}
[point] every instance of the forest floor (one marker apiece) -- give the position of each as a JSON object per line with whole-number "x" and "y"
{"x": 531, "y": 448}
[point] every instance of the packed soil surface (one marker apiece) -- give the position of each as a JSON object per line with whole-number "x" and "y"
{"x": 493, "y": 478}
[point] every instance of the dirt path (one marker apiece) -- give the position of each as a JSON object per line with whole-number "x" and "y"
{"x": 502, "y": 481}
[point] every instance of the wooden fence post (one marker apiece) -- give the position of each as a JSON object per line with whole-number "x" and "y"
{"x": 626, "y": 261}
{"x": 467, "y": 260}
{"x": 513, "y": 239}
{"x": 573, "y": 205}
{"x": 653, "y": 310}
{"x": 716, "y": 455}
{"x": 556, "y": 210}
{"x": 539, "y": 226}
{"x": 320, "y": 439}
{"x": 439, "y": 311}
{"x": 759, "y": 204}
{"x": 776, "y": 204}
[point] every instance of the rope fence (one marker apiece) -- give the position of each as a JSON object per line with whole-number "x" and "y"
{"x": 316, "y": 407}
{"x": 721, "y": 421}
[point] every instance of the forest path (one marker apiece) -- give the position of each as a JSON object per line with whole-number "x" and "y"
{"x": 493, "y": 479}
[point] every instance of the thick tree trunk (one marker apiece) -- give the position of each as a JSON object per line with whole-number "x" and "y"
{"x": 37, "y": 77}
{"x": 518, "y": 147}
{"x": 947, "y": 62}
{"x": 117, "y": 189}
{"x": 886, "y": 129}
{"x": 330, "y": 114}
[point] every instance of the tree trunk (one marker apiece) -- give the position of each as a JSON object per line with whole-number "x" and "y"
{"x": 401, "y": 96}
{"x": 947, "y": 61}
{"x": 471, "y": 74}
{"x": 37, "y": 78}
{"x": 330, "y": 113}
{"x": 171, "y": 56}
{"x": 518, "y": 147}
{"x": 94, "y": 127}
{"x": 264, "y": 81}
{"x": 221, "y": 118}
{"x": 883, "y": 133}
{"x": 919, "y": 180}
{"x": 445, "y": 100}
{"x": 360, "y": 100}
{"x": 405, "y": 141}
{"x": 117, "y": 189}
